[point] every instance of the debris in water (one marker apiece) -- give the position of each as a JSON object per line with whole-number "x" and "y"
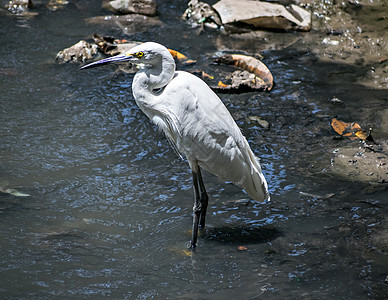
{"x": 179, "y": 56}
{"x": 242, "y": 248}
{"x": 199, "y": 14}
{"x": 14, "y": 192}
{"x": 349, "y": 130}
{"x": 261, "y": 76}
{"x": 335, "y": 100}
{"x": 259, "y": 121}
{"x": 326, "y": 196}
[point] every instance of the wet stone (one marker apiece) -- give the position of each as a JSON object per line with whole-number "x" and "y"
{"x": 259, "y": 121}
{"x": 243, "y": 81}
{"x": 18, "y": 6}
{"x": 128, "y": 24}
{"x": 264, "y": 14}
{"x": 79, "y": 52}
{"x": 143, "y": 7}
{"x": 199, "y": 13}
{"x": 55, "y": 5}
{"x": 361, "y": 164}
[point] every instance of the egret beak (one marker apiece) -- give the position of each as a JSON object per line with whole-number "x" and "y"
{"x": 114, "y": 59}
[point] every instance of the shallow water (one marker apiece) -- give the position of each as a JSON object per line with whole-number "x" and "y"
{"x": 109, "y": 211}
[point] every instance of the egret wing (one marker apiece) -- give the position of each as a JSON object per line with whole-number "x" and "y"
{"x": 206, "y": 133}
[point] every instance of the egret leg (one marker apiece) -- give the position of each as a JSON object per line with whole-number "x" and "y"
{"x": 204, "y": 198}
{"x": 201, "y": 200}
{"x": 196, "y": 211}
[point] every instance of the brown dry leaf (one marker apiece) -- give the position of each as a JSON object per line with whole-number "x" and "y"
{"x": 250, "y": 64}
{"x": 179, "y": 56}
{"x": 189, "y": 62}
{"x": 349, "y": 130}
{"x": 206, "y": 75}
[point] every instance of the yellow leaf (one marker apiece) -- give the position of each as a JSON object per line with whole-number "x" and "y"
{"x": 177, "y": 55}
{"x": 221, "y": 84}
{"x": 350, "y": 130}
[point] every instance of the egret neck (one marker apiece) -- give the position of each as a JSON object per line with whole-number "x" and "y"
{"x": 152, "y": 76}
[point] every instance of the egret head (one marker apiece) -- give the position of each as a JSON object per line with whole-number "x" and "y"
{"x": 147, "y": 54}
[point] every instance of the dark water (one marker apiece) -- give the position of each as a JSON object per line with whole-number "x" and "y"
{"x": 109, "y": 211}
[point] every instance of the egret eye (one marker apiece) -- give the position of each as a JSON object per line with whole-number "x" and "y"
{"x": 139, "y": 54}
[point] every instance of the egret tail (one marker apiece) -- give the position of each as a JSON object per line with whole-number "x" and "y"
{"x": 255, "y": 185}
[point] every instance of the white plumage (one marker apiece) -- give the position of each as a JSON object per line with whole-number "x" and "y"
{"x": 196, "y": 122}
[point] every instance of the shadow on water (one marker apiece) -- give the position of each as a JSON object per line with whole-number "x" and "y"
{"x": 242, "y": 234}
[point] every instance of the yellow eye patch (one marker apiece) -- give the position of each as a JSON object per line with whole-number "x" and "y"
{"x": 139, "y": 54}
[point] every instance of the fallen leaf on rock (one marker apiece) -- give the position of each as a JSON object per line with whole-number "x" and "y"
{"x": 349, "y": 130}
{"x": 221, "y": 84}
{"x": 252, "y": 65}
{"x": 111, "y": 46}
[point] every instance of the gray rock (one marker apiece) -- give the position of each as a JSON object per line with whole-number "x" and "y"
{"x": 264, "y": 14}
{"x": 79, "y": 52}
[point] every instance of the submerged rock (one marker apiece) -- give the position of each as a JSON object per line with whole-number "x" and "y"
{"x": 264, "y": 14}
{"x": 128, "y": 24}
{"x": 259, "y": 121}
{"x": 79, "y": 52}
{"x": 143, "y": 7}
{"x": 19, "y": 6}
{"x": 55, "y": 5}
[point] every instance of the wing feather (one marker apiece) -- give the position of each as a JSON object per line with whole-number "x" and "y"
{"x": 205, "y": 132}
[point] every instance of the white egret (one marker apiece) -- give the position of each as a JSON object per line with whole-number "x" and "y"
{"x": 195, "y": 121}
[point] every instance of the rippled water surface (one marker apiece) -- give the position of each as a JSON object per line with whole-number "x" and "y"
{"x": 109, "y": 211}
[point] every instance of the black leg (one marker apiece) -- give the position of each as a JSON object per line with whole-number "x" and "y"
{"x": 204, "y": 198}
{"x": 201, "y": 200}
{"x": 196, "y": 211}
